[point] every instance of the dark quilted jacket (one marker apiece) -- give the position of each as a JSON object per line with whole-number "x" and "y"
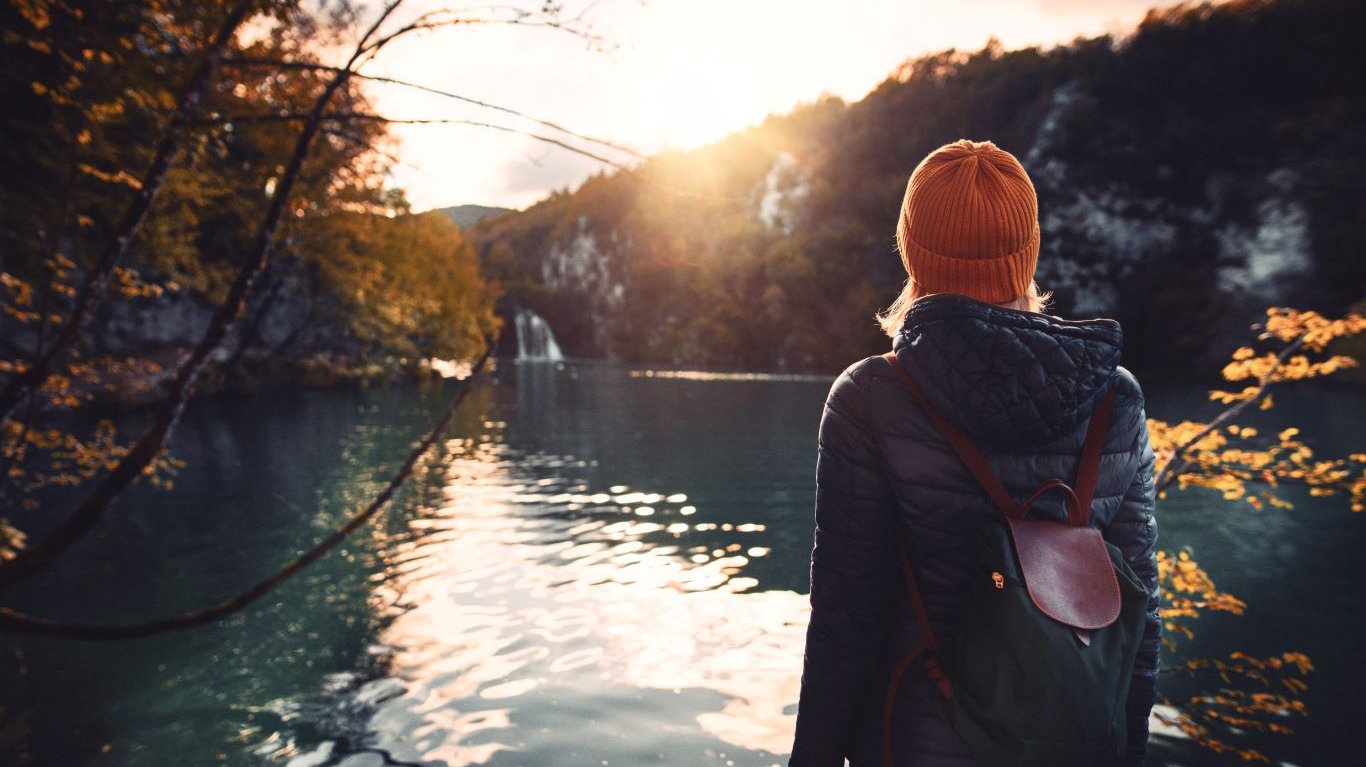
{"x": 1023, "y": 386}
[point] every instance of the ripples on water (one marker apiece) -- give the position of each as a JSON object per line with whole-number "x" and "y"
{"x": 539, "y": 619}
{"x": 602, "y": 566}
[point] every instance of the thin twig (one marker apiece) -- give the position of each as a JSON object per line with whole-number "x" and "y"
{"x": 452, "y": 17}
{"x": 369, "y": 117}
{"x": 1167, "y": 475}
{"x": 20, "y": 623}
{"x": 264, "y": 62}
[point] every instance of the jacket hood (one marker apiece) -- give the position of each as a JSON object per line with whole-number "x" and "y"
{"x": 1004, "y": 376}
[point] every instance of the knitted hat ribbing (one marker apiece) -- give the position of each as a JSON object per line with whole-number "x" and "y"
{"x": 970, "y": 223}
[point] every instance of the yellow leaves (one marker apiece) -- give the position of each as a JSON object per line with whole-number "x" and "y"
{"x": 1295, "y": 368}
{"x": 1166, "y": 437}
{"x": 1202, "y": 456}
{"x": 1237, "y": 709}
{"x": 1295, "y": 329}
{"x": 70, "y": 460}
{"x": 1315, "y": 330}
{"x": 131, "y": 284}
{"x": 404, "y": 278}
{"x": 12, "y": 540}
{"x": 21, "y": 291}
{"x": 1229, "y": 458}
{"x": 1189, "y": 589}
{"x": 19, "y": 295}
{"x": 120, "y": 178}
{"x": 34, "y": 12}
{"x": 1228, "y": 398}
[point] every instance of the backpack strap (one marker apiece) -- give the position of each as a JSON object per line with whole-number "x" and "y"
{"x": 961, "y": 443}
{"x": 928, "y": 641}
{"x": 1079, "y": 497}
{"x": 1088, "y": 467}
{"x": 926, "y": 651}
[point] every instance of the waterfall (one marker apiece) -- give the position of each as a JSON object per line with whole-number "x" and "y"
{"x": 534, "y": 339}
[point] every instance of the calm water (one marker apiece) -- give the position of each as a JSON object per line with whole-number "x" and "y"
{"x": 599, "y": 567}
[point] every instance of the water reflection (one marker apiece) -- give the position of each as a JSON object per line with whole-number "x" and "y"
{"x": 598, "y": 567}
{"x": 539, "y": 606}
{"x": 550, "y": 607}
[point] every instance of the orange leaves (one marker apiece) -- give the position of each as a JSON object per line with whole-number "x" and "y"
{"x": 1313, "y": 329}
{"x": 36, "y": 456}
{"x": 1198, "y": 455}
{"x": 12, "y": 367}
{"x": 1230, "y": 458}
{"x": 1188, "y": 591}
{"x": 20, "y": 291}
{"x": 119, "y": 177}
{"x": 1295, "y": 329}
{"x": 11, "y": 539}
{"x": 34, "y": 12}
{"x": 1294, "y": 368}
{"x": 1228, "y": 397}
{"x": 131, "y": 284}
{"x": 71, "y": 460}
{"x": 1238, "y": 709}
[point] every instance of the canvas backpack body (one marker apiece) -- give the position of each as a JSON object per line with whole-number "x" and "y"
{"x": 1048, "y": 630}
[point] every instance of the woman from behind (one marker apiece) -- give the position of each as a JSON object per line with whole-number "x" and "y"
{"x": 970, "y": 332}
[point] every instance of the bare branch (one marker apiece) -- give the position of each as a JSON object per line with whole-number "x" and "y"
{"x": 453, "y": 17}
{"x": 366, "y": 116}
{"x": 20, "y": 623}
{"x": 261, "y": 62}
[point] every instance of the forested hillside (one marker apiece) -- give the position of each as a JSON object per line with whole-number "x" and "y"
{"x": 1207, "y": 165}
{"x": 90, "y": 87}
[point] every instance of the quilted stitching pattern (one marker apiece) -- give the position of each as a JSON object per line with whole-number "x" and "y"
{"x": 1023, "y": 385}
{"x": 1005, "y": 377}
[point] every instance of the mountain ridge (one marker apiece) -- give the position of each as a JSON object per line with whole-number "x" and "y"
{"x": 465, "y": 216}
{"x": 1189, "y": 174}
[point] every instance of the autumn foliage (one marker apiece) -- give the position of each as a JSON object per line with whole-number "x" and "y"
{"x": 1244, "y": 466}
{"x": 91, "y": 92}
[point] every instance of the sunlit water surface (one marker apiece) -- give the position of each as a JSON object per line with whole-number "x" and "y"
{"x": 602, "y": 565}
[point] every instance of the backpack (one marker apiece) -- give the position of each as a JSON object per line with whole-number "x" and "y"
{"x": 1048, "y": 629}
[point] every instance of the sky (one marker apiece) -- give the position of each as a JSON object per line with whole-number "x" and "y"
{"x": 667, "y": 74}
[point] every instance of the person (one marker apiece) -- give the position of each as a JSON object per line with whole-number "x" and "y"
{"x": 970, "y": 329}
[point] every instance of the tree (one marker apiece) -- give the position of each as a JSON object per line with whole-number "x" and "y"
{"x": 321, "y": 122}
{"x": 1244, "y": 466}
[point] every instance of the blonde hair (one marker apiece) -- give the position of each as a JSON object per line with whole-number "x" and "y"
{"x": 891, "y": 319}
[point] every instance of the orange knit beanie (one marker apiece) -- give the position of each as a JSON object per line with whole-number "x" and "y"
{"x": 970, "y": 223}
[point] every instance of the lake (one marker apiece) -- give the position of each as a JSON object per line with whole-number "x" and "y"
{"x": 603, "y": 564}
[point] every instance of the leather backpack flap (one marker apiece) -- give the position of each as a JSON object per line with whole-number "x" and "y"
{"x": 1067, "y": 571}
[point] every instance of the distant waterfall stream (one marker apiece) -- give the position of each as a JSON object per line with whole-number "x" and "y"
{"x": 535, "y": 341}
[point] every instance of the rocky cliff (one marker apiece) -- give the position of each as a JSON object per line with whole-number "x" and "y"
{"x": 1206, "y": 165}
